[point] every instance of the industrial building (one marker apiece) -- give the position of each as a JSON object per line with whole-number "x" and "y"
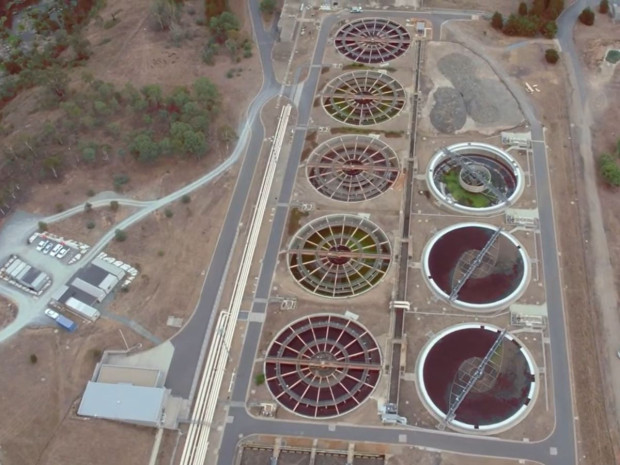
{"x": 25, "y": 275}
{"x": 89, "y": 286}
{"x": 126, "y": 393}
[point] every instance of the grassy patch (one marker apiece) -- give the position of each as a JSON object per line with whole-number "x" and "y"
{"x": 470, "y": 199}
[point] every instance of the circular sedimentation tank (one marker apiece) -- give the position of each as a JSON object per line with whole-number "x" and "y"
{"x": 457, "y": 271}
{"x": 363, "y": 98}
{"x": 352, "y": 168}
{"x": 498, "y": 399}
{"x": 372, "y": 40}
{"x": 475, "y": 178}
{"x": 339, "y": 256}
{"x": 322, "y": 366}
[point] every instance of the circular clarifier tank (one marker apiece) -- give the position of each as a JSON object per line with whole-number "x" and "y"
{"x": 475, "y": 178}
{"x": 322, "y": 366}
{"x": 372, "y": 40}
{"x": 339, "y": 256}
{"x": 363, "y": 98}
{"x": 352, "y": 168}
{"x": 476, "y": 268}
{"x": 497, "y": 398}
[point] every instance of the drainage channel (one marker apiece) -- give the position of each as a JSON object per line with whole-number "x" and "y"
{"x": 401, "y": 291}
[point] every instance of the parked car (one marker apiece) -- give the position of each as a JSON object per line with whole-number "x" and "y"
{"x": 33, "y": 238}
{"x": 41, "y": 245}
{"x": 62, "y": 253}
{"x": 51, "y": 313}
{"x": 48, "y": 247}
{"x": 55, "y": 250}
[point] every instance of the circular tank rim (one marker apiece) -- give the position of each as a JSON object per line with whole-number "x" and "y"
{"x": 463, "y": 305}
{"x": 352, "y": 136}
{"x": 367, "y": 71}
{"x": 517, "y": 171}
{"x": 387, "y": 271}
{"x": 459, "y": 425}
{"x": 390, "y": 20}
{"x": 380, "y": 371}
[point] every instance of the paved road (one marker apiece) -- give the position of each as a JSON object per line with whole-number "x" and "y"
{"x": 558, "y": 448}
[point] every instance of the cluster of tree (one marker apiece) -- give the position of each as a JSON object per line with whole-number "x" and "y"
{"x": 538, "y": 19}
{"x": 27, "y": 64}
{"x": 225, "y": 34}
{"x": 144, "y": 122}
{"x": 609, "y": 167}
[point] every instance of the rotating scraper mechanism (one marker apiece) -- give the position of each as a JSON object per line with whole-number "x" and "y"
{"x": 363, "y": 98}
{"x": 352, "y": 168}
{"x": 372, "y": 40}
{"x": 339, "y": 256}
{"x": 322, "y": 366}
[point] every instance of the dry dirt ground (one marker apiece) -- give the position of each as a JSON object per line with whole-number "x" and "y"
{"x": 39, "y": 400}
{"x": 132, "y": 51}
{"x": 75, "y": 227}
{"x": 8, "y": 311}
{"x": 172, "y": 255}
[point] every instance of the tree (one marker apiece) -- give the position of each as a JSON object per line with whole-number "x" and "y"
{"x": 522, "y": 9}
{"x": 144, "y": 147}
{"x": 114, "y": 205}
{"x": 497, "y": 21}
{"x": 153, "y": 95}
{"x": 552, "y": 56}
{"x": 549, "y": 29}
{"x": 603, "y": 7}
{"x": 42, "y": 226}
{"x": 587, "y": 16}
{"x": 33, "y": 358}
{"x": 194, "y": 142}
{"x": 120, "y": 235}
{"x": 80, "y": 46}
{"x": 214, "y": 8}
{"x": 55, "y": 81}
{"x": 221, "y": 25}
{"x": 207, "y": 94}
{"x": 165, "y": 12}
{"x": 268, "y": 6}
{"x": 526, "y": 26}
{"x": 609, "y": 169}
{"x": 52, "y": 163}
{"x": 88, "y": 207}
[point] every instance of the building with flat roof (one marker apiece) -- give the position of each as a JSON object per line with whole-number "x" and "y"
{"x": 124, "y": 402}
{"x": 126, "y": 393}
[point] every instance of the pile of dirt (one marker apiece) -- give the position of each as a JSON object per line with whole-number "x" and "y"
{"x": 486, "y": 101}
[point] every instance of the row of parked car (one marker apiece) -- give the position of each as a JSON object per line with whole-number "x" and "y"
{"x": 54, "y": 249}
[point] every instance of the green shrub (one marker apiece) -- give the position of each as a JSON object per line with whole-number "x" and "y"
{"x": 549, "y": 29}
{"x": 42, "y": 226}
{"x": 609, "y": 169}
{"x": 120, "y": 235}
{"x": 259, "y": 379}
{"x": 114, "y": 205}
{"x": 33, "y": 358}
{"x": 552, "y": 56}
{"x": 168, "y": 213}
{"x": 186, "y": 199}
{"x": 90, "y": 225}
